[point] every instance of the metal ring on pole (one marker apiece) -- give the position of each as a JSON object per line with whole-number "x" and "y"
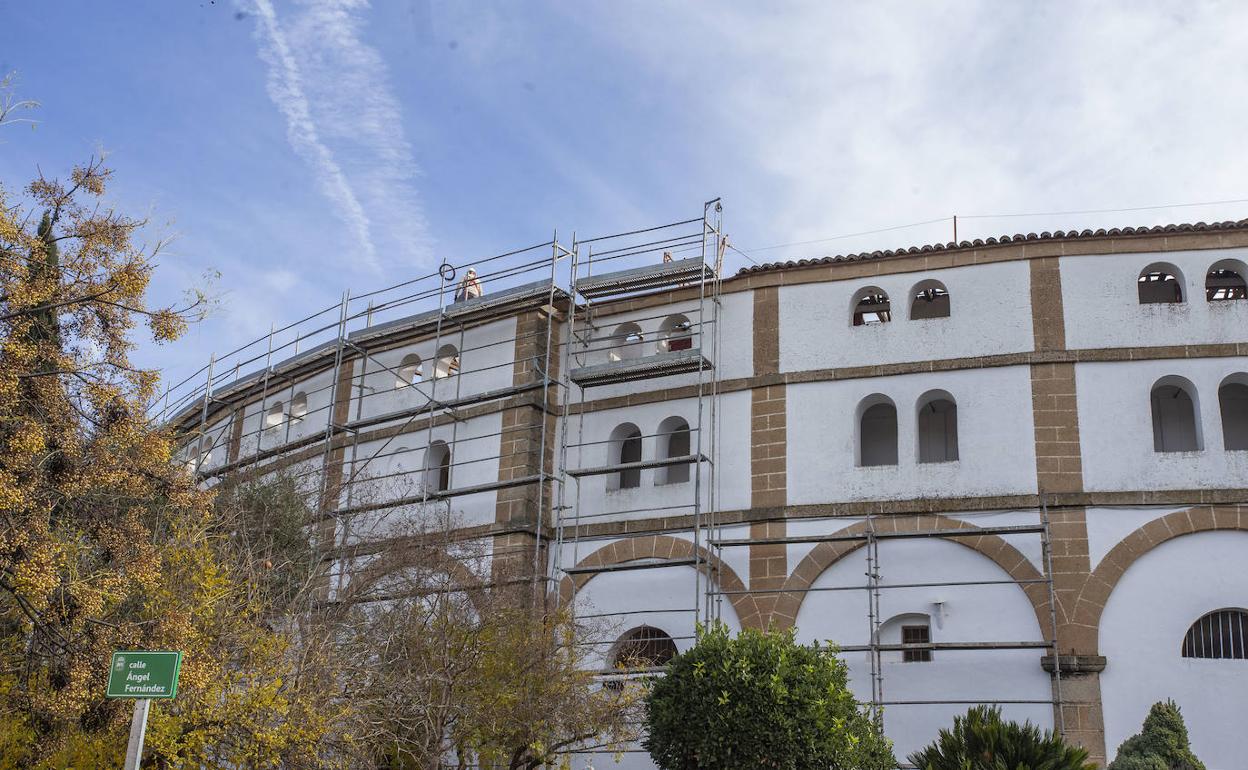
{"x": 447, "y": 271}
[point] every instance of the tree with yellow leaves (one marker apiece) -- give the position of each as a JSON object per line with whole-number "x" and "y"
{"x": 104, "y": 543}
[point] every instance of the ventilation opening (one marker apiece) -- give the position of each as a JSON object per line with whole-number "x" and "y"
{"x": 1233, "y": 400}
{"x": 878, "y": 435}
{"x": 626, "y": 343}
{"x": 674, "y": 438}
{"x": 438, "y": 467}
{"x": 676, "y": 333}
{"x": 930, "y": 300}
{"x": 1175, "y": 428}
{"x": 274, "y": 416}
{"x": 871, "y": 307}
{"x": 1160, "y": 284}
{"x": 1225, "y": 281}
{"x": 409, "y": 371}
{"x": 448, "y": 362}
{"x": 938, "y": 429}
{"x": 298, "y": 407}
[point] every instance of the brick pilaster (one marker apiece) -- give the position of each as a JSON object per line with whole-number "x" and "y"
{"x": 1059, "y": 464}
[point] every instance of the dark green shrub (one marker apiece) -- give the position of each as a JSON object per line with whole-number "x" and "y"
{"x": 982, "y": 740}
{"x": 759, "y": 700}
{"x": 1161, "y": 745}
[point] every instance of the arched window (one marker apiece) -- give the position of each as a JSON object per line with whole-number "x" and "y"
{"x": 938, "y": 427}
{"x": 871, "y": 307}
{"x": 908, "y": 628}
{"x": 274, "y": 416}
{"x": 1219, "y": 634}
{"x": 448, "y": 362}
{"x": 675, "y": 333}
{"x": 1175, "y": 424}
{"x": 1233, "y": 400}
{"x": 438, "y": 467}
{"x": 298, "y": 407}
{"x": 410, "y": 371}
{"x": 877, "y": 431}
{"x": 1225, "y": 281}
{"x": 626, "y": 342}
{"x": 674, "y": 442}
{"x": 1160, "y": 283}
{"x": 929, "y": 299}
{"x": 643, "y": 647}
{"x": 626, "y": 448}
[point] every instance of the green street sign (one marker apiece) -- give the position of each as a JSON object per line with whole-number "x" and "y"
{"x": 144, "y": 674}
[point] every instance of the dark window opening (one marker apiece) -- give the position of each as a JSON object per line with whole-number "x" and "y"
{"x": 1160, "y": 284}
{"x": 1219, "y": 634}
{"x": 630, "y": 452}
{"x": 931, "y": 300}
{"x": 1233, "y": 400}
{"x": 916, "y": 635}
{"x": 878, "y": 435}
{"x": 1225, "y": 284}
{"x": 1174, "y": 420}
{"x": 871, "y": 307}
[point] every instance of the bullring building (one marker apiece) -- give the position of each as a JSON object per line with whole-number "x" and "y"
{"x": 1007, "y": 471}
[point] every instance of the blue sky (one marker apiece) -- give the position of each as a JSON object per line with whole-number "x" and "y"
{"x": 300, "y": 148}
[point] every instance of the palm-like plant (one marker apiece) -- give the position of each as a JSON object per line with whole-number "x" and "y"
{"x": 982, "y": 740}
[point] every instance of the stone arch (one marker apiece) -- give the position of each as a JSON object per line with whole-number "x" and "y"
{"x": 399, "y": 556}
{"x": 1085, "y": 617}
{"x": 665, "y": 547}
{"x": 827, "y": 553}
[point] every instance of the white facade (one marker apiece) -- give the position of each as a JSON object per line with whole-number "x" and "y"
{"x": 990, "y": 473}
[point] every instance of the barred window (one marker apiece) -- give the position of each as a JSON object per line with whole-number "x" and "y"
{"x": 644, "y": 647}
{"x": 916, "y": 635}
{"x": 1219, "y": 634}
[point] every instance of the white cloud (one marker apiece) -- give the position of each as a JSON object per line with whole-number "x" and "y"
{"x": 286, "y": 89}
{"x": 857, "y": 116}
{"x": 335, "y": 93}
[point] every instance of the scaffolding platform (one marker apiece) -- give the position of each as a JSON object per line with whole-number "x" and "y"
{"x": 630, "y": 369}
{"x": 692, "y": 271}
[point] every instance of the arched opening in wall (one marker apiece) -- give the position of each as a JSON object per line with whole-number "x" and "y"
{"x": 438, "y": 467}
{"x": 1176, "y": 427}
{"x": 1220, "y": 634}
{"x": 625, "y": 447}
{"x": 675, "y": 333}
{"x": 448, "y": 362}
{"x": 1225, "y": 281}
{"x": 643, "y": 647}
{"x": 1160, "y": 283}
{"x": 410, "y": 371}
{"x": 877, "y": 431}
{"x": 274, "y": 416}
{"x": 298, "y": 406}
{"x": 626, "y": 343}
{"x": 938, "y": 427}
{"x": 929, "y": 299}
{"x": 674, "y": 442}
{"x": 871, "y": 307}
{"x": 1233, "y": 402}
{"x": 200, "y": 454}
{"x": 907, "y": 628}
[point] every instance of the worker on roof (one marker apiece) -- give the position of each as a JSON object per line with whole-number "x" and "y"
{"x": 469, "y": 287}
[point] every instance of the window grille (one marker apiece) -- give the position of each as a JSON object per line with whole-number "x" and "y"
{"x": 916, "y": 635}
{"x": 1218, "y": 635}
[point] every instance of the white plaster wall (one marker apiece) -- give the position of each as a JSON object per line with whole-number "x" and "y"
{"x": 1101, "y": 305}
{"x": 652, "y": 499}
{"x": 474, "y": 445}
{"x": 996, "y": 442}
{"x": 981, "y": 613}
{"x": 990, "y": 313}
{"x": 487, "y": 356}
{"x": 1107, "y": 527}
{"x": 1142, "y": 629}
{"x": 1116, "y": 431}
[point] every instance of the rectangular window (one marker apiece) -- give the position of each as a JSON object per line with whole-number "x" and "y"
{"x": 916, "y": 635}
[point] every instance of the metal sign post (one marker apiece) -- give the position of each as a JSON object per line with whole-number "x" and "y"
{"x": 138, "y": 729}
{"x": 142, "y": 675}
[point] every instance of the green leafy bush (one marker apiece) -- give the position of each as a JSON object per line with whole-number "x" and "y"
{"x": 759, "y": 700}
{"x": 1161, "y": 745}
{"x": 982, "y": 740}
